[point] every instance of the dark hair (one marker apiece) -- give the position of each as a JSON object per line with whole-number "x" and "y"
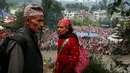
{"x": 70, "y": 28}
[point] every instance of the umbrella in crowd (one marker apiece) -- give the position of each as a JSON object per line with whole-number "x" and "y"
{"x": 1, "y": 28}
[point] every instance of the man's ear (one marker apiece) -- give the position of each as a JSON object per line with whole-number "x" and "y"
{"x": 27, "y": 20}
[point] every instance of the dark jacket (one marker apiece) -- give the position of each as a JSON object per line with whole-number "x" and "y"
{"x": 29, "y": 60}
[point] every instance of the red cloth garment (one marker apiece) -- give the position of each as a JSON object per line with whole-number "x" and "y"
{"x": 65, "y": 22}
{"x": 3, "y": 36}
{"x": 69, "y": 56}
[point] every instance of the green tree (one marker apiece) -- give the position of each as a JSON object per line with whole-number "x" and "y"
{"x": 103, "y": 5}
{"x": 118, "y": 6}
{"x": 87, "y": 21}
{"x": 105, "y": 21}
{"x": 20, "y": 17}
{"x": 114, "y": 7}
{"x": 1, "y": 18}
{"x": 52, "y": 13}
{"x": 19, "y": 22}
{"x": 94, "y": 7}
{"x": 78, "y": 22}
{"x": 3, "y": 5}
{"x": 77, "y": 5}
{"x": 84, "y": 22}
{"x": 114, "y": 22}
{"x": 52, "y": 10}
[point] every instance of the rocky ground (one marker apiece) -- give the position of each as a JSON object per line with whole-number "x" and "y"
{"x": 47, "y": 55}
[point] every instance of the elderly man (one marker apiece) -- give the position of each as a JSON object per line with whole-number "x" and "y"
{"x": 27, "y": 58}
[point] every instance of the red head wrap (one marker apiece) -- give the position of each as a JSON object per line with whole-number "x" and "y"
{"x": 65, "y": 22}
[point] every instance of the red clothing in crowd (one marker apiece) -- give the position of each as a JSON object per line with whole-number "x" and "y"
{"x": 3, "y": 36}
{"x": 69, "y": 56}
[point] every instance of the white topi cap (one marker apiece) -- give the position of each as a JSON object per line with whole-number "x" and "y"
{"x": 33, "y": 10}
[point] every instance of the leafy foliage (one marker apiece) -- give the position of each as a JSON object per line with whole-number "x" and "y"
{"x": 19, "y": 22}
{"x": 124, "y": 30}
{"x": 52, "y": 11}
{"x": 99, "y": 6}
{"x": 95, "y": 7}
{"x": 77, "y": 5}
{"x": 97, "y": 65}
{"x": 1, "y": 18}
{"x": 118, "y": 6}
{"x": 84, "y": 22}
{"x": 19, "y": 17}
{"x": 3, "y": 5}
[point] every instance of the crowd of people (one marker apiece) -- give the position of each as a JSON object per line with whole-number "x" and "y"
{"x": 97, "y": 42}
{"x": 49, "y": 39}
{"x": 6, "y": 32}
